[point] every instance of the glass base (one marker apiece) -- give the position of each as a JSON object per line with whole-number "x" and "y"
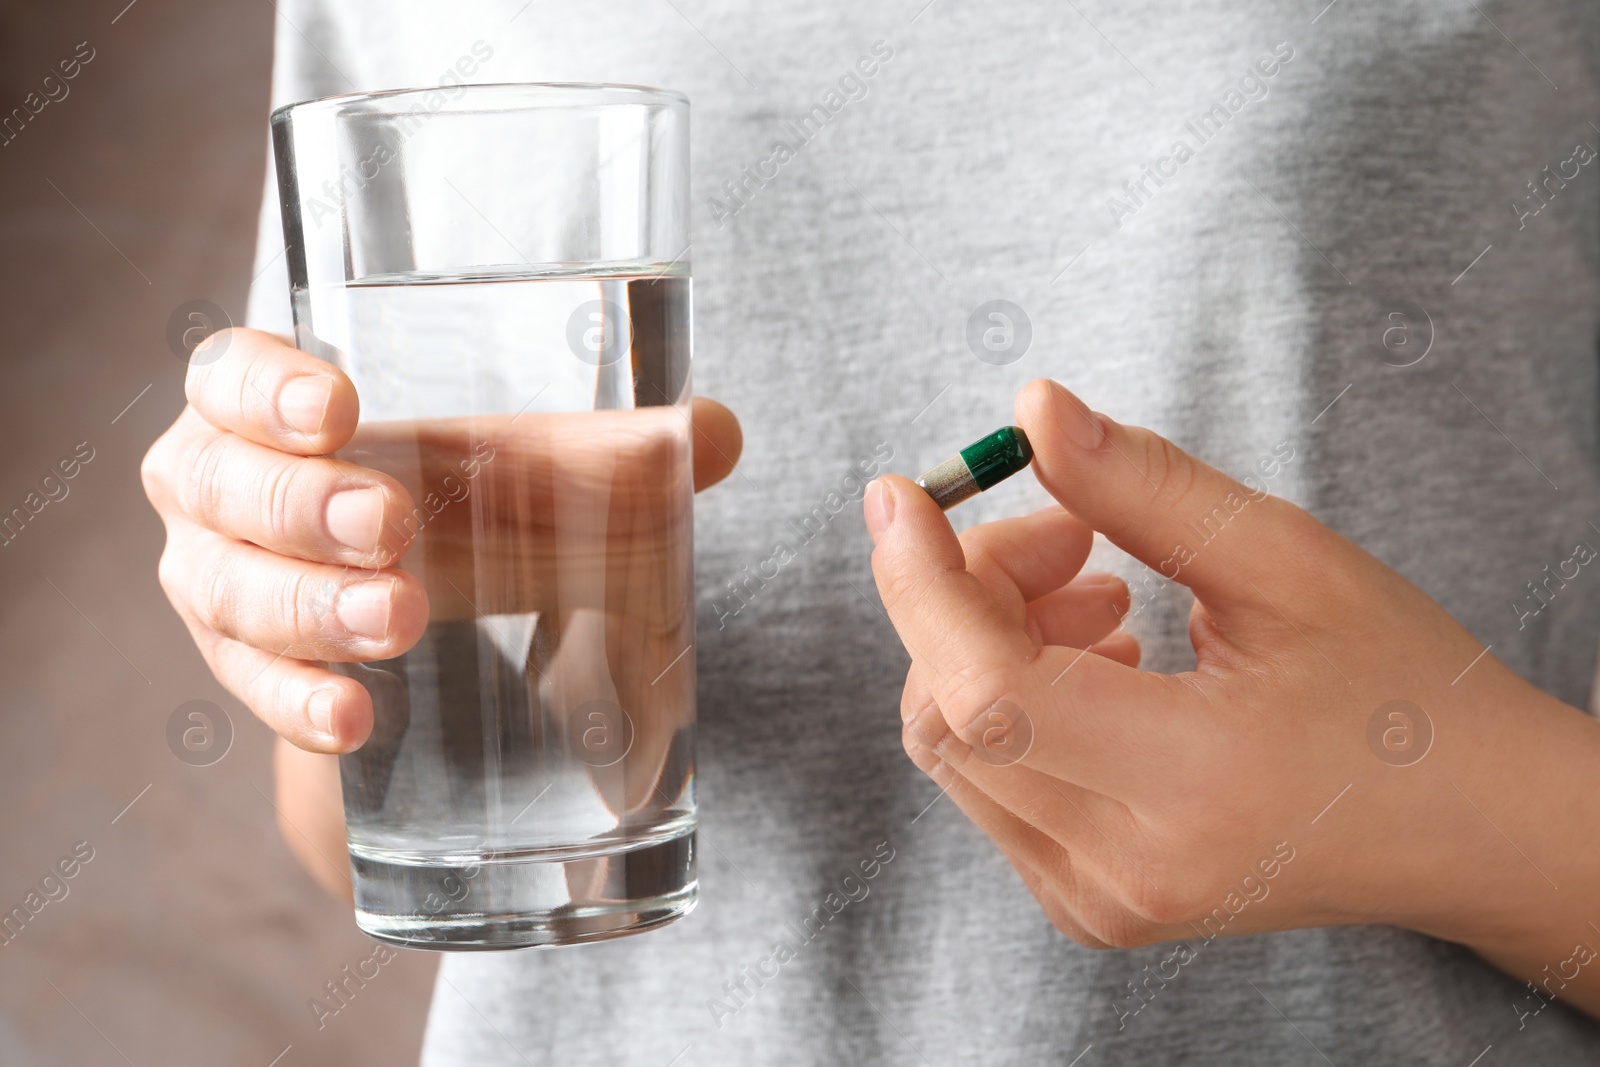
{"x": 524, "y": 899}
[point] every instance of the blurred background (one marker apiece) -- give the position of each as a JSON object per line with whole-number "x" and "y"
{"x": 190, "y": 936}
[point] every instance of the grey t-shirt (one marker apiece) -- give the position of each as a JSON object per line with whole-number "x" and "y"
{"x": 1230, "y": 222}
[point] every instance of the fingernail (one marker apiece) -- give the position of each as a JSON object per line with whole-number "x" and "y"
{"x": 878, "y": 508}
{"x": 1080, "y": 425}
{"x": 1095, "y": 578}
{"x": 319, "y": 709}
{"x": 363, "y": 609}
{"x": 354, "y": 518}
{"x": 303, "y": 402}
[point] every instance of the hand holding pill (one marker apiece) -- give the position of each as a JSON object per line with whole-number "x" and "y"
{"x": 1141, "y": 807}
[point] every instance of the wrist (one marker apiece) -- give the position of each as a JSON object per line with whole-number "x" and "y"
{"x": 1509, "y": 872}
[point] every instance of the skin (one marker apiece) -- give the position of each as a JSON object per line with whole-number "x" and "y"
{"x": 1133, "y": 804}
{"x": 1138, "y": 806}
{"x": 280, "y": 559}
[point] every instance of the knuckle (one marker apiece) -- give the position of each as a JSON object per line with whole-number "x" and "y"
{"x": 274, "y": 694}
{"x": 195, "y": 380}
{"x": 207, "y": 380}
{"x": 299, "y": 605}
{"x": 972, "y": 690}
{"x": 1120, "y": 930}
{"x": 202, "y": 486}
{"x": 1150, "y": 906}
{"x": 217, "y": 580}
{"x": 1058, "y": 911}
{"x": 210, "y": 643}
{"x": 256, "y": 385}
{"x": 1302, "y": 539}
{"x": 283, "y": 486}
{"x": 1069, "y": 927}
{"x": 238, "y": 668}
{"x": 168, "y": 573}
{"x": 1060, "y": 894}
{"x": 153, "y": 469}
{"x": 1322, "y": 568}
{"x": 1065, "y": 923}
{"x": 1113, "y": 926}
{"x": 911, "y": 743}
{"x": 918, "y": 747}
{"x": 1096, "y": 913}
{"x": 915, "y": 697}
{"x": 1167, "y": 468}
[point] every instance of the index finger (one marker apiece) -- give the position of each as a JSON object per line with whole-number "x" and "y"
{"x": 257, "y": 386}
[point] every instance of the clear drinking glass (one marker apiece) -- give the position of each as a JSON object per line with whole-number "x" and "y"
{"x": 501, "y": 270}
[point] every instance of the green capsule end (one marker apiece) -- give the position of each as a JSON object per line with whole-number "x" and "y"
{"x": 996, "y": 457}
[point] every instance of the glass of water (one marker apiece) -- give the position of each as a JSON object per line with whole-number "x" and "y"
{"x": 501, "y": 271}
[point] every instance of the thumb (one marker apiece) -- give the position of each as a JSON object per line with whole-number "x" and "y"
{"x": 1182, "y": 518}
{"x": 718, "y": 440}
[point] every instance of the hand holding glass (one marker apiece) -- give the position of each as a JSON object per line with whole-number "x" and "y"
{"x": 502, "y": 276}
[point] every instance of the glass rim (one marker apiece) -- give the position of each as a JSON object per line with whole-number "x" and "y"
{"x": 555, "y": 94}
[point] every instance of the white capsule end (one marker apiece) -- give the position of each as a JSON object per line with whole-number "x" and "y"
{"x": 949, "y": 483}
